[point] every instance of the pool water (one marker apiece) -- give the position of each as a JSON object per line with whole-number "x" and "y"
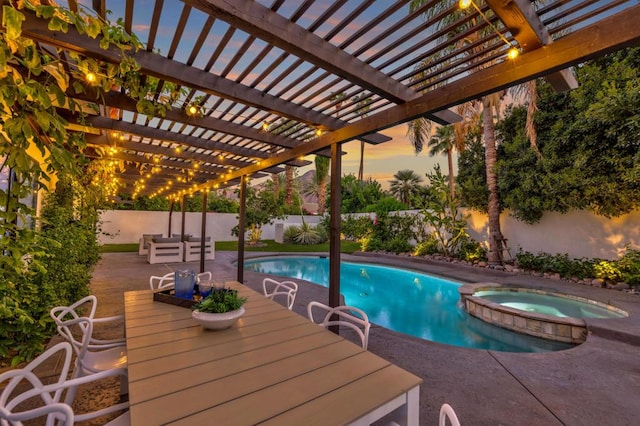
{"x": 406, "y": 301}
{"x": 548, "y": 304}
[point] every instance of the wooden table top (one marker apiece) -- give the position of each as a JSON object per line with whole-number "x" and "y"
{"x": 273, "y": 367}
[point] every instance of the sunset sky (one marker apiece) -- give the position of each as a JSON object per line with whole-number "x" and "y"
{"x": 382, "y": 161}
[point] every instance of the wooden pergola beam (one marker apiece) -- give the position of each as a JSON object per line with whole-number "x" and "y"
{"x": 262, "y": 22}
{"x": 521, "y": 20}
{"x": 118, "y": 100}
{"x": 103, "y": 140}
{"x": 106, "y": 123}
{"x": 608, "y": 35}
{"x": 166, "y": 69}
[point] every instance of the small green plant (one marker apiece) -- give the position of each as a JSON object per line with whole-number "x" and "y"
{"x": 470, "y": 250}
{"x": 428, "y": 246}
{"x": 629, "y": 265}
{"x": 607, "y": 271}
{"x": 304, "y": 234}
{"x": 219, "y": 301}
{"x": 290, "y": 233}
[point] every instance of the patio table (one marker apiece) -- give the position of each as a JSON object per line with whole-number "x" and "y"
{"x": 273, "y": 367}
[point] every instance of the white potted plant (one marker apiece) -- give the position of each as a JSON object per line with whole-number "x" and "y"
{"x": 220, "y": 309}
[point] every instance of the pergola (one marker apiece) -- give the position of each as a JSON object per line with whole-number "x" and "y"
{"x": 305, "y": 67}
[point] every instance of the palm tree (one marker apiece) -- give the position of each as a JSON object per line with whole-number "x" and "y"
{"x": 405, "y": 185}
{"x": 363, "y": 106}
{"x": 318, "y": 186}
{"x": 490, "y": 103}
{"x": 288, "y": 179}
{"x": 444, "y": 142}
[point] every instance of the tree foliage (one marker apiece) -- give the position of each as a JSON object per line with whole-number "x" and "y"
{"x": 358, "y": 196}
{"x": 588, "y": 142}
{"x": 262, "y": 209}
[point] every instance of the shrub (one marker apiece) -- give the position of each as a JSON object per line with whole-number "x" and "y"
{"x": 470, "y": 250}
{"x": 558, "y": 263}
{"x": 428, "y": 246}
{"x": 397, "y": 245}
{"x": 390, "y": 233}
{"x": 290, "y": 233}
{"x": 305, "y": 234}
{"x": 355, "y": 228}
{"x": 629, "y": 265}
{"x": 607, "y": 271}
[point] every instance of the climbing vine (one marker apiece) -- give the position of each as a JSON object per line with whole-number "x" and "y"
{"x": 38, "y": 147}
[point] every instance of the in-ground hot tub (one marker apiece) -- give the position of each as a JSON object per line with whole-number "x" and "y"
{"x": 539, "y": 313}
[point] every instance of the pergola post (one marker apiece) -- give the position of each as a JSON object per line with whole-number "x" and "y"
{"x": 334, "y": 223}
{"x": 183, "y": 210}
{"x": 241, "y": 222}
{"x": 203, "y": 231}
{"x": 170, "y": 214}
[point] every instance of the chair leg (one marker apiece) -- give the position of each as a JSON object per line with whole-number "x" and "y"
{"x": 71, "y": 392}
{"x": 124, "y": 386}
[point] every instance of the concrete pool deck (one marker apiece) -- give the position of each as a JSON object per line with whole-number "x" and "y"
{"x": 595, "y": 383}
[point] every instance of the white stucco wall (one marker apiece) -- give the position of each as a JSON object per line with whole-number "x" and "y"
{"x": 126, "y": 226}
{"x": 578, "y": 233}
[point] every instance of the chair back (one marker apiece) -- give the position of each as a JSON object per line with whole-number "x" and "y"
{"x": 75, "y": 330}
{"x": 57, "y": 412}
{"x": 164, "y": 282}
{"x": 447, "y": 413}
{"x": 347, "y": 316}
{"x": 204, "y": 276}
{"x": 51, "y": 407}
{"x": 280, "y": 289}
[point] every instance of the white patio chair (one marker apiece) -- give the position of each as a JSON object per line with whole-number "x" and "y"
{"x": 447, "y": 413}
{"x": 48, "y": 398}
{"x": 86, "y": 307}
{"x": 275, "y": 289}
{"x": 344, "y": 316}
{"x": 164, "y": 282}
{"x": 204, "y": 276}
{"x": 92, "y": 355}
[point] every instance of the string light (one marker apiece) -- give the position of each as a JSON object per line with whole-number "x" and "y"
{"x": 91, "y": 77}
{"x": 513, "y": 51}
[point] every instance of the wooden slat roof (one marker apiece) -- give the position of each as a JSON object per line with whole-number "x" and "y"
{"x": 282, "y": 62}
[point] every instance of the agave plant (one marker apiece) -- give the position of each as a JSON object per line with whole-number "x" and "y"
{"x": 307, "y": 235}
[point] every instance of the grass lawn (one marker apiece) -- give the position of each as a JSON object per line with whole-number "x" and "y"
{"x": 345, "y": 247}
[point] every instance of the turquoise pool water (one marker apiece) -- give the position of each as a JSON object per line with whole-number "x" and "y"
{"x": 406, "y": 301}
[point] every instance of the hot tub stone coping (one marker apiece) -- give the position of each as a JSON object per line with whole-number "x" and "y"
{"x": 563, "y": 329}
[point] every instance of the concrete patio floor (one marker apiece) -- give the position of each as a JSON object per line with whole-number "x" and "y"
{"x": 596, "y": 383}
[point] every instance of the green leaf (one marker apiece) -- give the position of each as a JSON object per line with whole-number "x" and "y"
{"x": 43, "y": 118}
{"x": 93, "y": 27}
{"x": 57, "y": 24}
{"x": 45, "y": 11}
{"x": 57, "y": 71}
{"x": 12, "y": 22}
{"x": 57, "y": 92}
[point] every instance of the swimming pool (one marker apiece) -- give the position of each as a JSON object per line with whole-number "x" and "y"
{"x": 406, "y": 301}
